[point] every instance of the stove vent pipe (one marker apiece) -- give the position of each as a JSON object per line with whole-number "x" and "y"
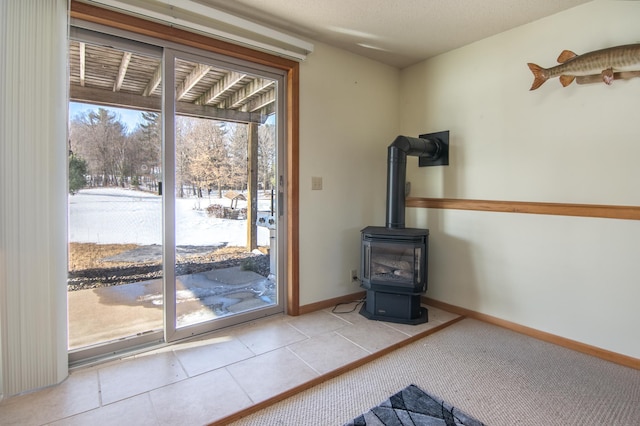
{"x": 397, "y": 170}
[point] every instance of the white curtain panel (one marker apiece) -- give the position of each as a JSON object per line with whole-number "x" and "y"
{"x": 33, "y": 194}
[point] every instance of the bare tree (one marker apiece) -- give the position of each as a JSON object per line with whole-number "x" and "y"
{"x": 202, "y": 154}
{"x": 237, "y": 156}
{"x": 183, "y": 154}
{"x": 267, "y": 156}
{"x": 101, "y": 139}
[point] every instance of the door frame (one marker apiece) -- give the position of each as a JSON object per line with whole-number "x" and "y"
{"x": 113, "y": 19}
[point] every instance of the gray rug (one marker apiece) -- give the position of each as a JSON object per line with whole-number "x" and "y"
{"x": 412, "y": 406}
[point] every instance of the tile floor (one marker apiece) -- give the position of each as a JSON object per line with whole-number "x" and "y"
{"x": 214, "y": 376}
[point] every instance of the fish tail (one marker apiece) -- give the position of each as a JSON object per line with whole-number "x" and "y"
{"x": 539, "y": 76}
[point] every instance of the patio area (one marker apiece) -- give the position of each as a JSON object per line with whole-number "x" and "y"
{"x": 110, "y": 313}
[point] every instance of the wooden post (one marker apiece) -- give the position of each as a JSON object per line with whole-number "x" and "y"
{"x": 252, "y": 187}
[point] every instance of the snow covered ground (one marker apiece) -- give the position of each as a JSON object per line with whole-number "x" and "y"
{"x": 119, "y": 216}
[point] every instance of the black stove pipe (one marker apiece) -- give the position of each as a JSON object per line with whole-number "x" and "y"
{"x": 397, "y": 173}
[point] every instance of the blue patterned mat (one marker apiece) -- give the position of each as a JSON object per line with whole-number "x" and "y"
{"x": 412, "y": 406}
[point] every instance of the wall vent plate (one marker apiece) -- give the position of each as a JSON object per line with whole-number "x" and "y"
{"x": 443, "y": 159}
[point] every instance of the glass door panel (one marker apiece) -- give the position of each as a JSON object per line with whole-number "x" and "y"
{"x": 225, "y": 195}
{"x": 115, "y": 289}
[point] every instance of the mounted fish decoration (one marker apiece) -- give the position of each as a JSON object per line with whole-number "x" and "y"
{"x": 609, "y": 64}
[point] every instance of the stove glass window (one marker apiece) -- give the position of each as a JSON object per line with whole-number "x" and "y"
{"x": 393, "y": 263}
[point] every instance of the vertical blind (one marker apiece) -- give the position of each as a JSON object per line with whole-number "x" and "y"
{"x": 33, "y": 194}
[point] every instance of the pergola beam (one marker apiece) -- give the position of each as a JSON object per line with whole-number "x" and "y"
{"x": 250, "y": 90}
{"x": 261, "y": 102}
{"x": 154, "y": 82}
{"x": 122, "y": 71}
{"x": 148, "y": 103}
{"x": 220, "y": 88}
{"x": 199, "y": 71}
{"x": 82, "y": 63}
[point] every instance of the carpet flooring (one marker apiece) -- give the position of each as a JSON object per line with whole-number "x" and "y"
{"x": 412, "y": 406}
{"x": 495, "y": 375}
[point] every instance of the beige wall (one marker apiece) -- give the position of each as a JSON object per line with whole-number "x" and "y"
{"x": 348, "y": 116}
{"x": 574, "y": 277}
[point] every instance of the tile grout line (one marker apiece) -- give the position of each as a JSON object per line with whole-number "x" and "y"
{"x": 303, "y": 361}
{"x": 239, "y": 384}
{"x": 100, "y": 404}
{"x": 354, "y": 343}
{"x": 298, "y": 330}
{"x": 184, "y": 370}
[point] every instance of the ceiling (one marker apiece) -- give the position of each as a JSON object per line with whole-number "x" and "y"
{"x": 399, "y": 33}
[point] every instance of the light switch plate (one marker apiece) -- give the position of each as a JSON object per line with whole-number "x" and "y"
{"x": 316, "y": 183}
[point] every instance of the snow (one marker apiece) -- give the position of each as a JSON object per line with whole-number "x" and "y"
{"x": 119, "y": 216}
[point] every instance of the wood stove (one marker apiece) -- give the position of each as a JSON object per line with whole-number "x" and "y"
{"x": 394, "y": 259}
{"x": 394, "y": 273}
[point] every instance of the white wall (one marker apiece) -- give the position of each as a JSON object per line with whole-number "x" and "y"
{"x": 348, "y": 117}
{"x": 574, "y": 277}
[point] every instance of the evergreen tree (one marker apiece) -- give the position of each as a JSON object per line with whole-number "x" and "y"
{"x": 145, "y": 155}
{"x": 77, "y": 173}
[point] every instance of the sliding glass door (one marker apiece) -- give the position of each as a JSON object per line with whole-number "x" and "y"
{"x": 176, "y": 182}
{"x": 223, "y": 205}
